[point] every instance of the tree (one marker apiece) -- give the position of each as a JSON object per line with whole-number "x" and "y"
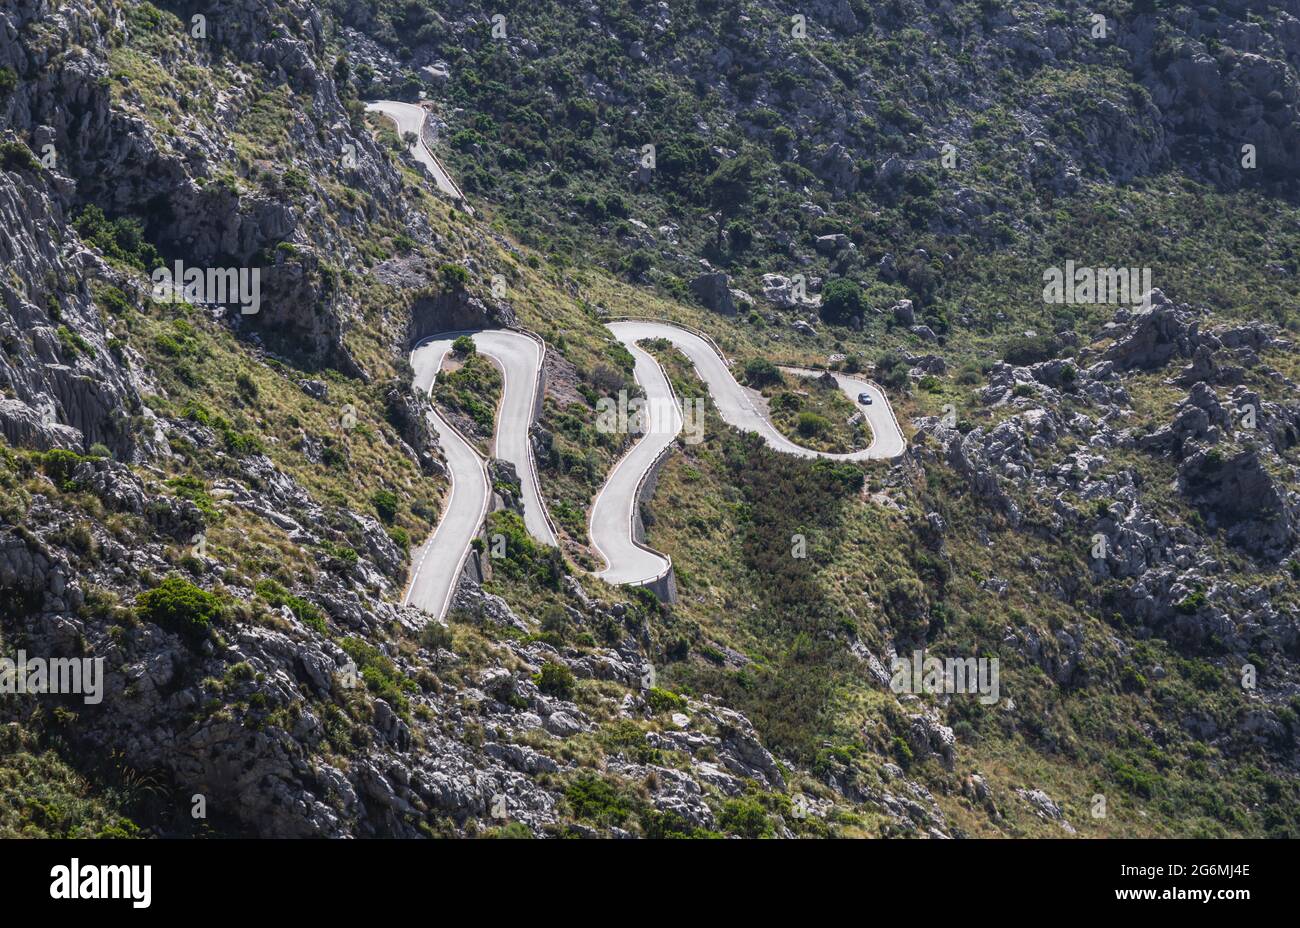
{"x": 841, "y": 301}
{"x": 464, "y": 346}
{"x": 731, "y": 183}
{"x": 891, "y": 370}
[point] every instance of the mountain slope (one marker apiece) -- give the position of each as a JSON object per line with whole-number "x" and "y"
{"x": 222, "y": 504}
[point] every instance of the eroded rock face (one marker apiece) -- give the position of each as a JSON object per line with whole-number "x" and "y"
{"x": 409, "y": 411}
{"x": 1237, "y": 493}
{"x": 454, "y": 310}
{"x": 1155, "y": 336}
{"x": 69, "y": 390}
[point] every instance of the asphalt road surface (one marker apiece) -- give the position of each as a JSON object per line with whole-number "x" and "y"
{"x": 410, "y": 118}
{"x": 438, "y": 562}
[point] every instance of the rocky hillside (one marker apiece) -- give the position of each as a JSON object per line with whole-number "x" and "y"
{"x": 220, "y": 496}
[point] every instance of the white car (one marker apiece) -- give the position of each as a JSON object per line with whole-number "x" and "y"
{"x": 864, "y": 399}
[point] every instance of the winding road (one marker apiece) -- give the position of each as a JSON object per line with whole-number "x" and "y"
{"x": 614, "y": 512}
{"x": 437, "y": 564}
{"x": 439, "y": 561}
{"x": 411, "y": 118}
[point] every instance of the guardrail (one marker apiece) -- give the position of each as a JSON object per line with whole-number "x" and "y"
{"x": 699, "y": 333}
{"x": 460, "y": 194}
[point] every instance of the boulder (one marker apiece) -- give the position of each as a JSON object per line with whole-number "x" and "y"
{"x": 713, "y": 289}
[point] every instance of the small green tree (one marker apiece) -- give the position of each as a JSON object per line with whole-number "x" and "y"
{"x": 841, "y": 301}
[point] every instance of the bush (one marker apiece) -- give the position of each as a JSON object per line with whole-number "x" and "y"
{"x": 841, "y": 301}
{"x": 121, "y": 239}
{"x": 59, "y": 465}
{"x": 555, "y": 680}
{"x": 596, "y": 799}
{"x": 811, "y": 425}
{"x": 454, "y": 276}
{"x": 8, "y": 81}
{"x": 891, "y": 370}
{"x": 114, "y": 300}
{"x": 381, "y": 676}
{"x": 15, "y": 156}
{"x": 525, "y": 559}
{"x": 760, "y": 372}
{"x": 277, "y": 596}
{"x": 464, "y": 346}
{"x": 662, "y": 700}
{"x": 1030, "y": 349}
{"x": 746, "y": 818}
{"x": 179, "y": 606}
{"x": 436, "y": 636}
{"x": 385, "y": 503}
{"x": 731, "y": 184}
{"x": 247, "y": 386}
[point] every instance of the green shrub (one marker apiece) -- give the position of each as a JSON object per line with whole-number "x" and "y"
{"x": 509, "y": 831}
{"x": 385, "y": 503}
{"x": 760, "y": 372}
{"x": 339, "y": 557}
{"x": 811, "y": 425}
{"x": 381, "y": 676}
{"x": 15, "y": 156}
{"x": 436, "y": 636}
{"x": 464, "y": 346}
{"x": 277, "y": 596}
{"x": 113, "y": 300}
{"x": 746, "y": 818}
{"x": 454, "y": 276}
{"x": 179, "y": 606}
{"x": 662, "y": 700}
{"x": 596, "y": 800}
{"x": 120, "y": 239}
{"x": 524, "y": 558}
{"x": 8, "y": 81}
{"x": 246, "y": 386}
{"x": 555, "y": 680}
{"x": 891, "y": 370}
{"x": 1030, "y": 349}
{"x": 59, "y": 464}
{"x": 841, "y": 301}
